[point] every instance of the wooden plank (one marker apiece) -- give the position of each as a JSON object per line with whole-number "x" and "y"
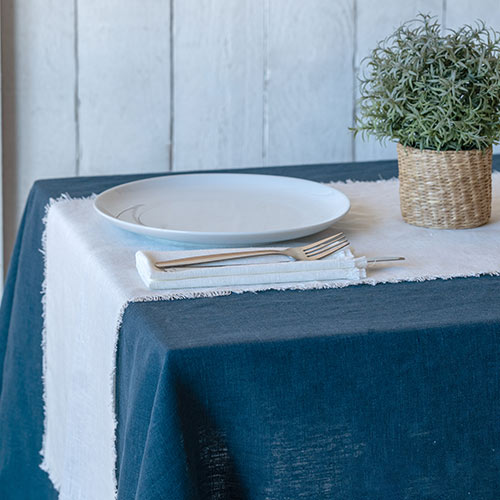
{"x": 2, "y": 269}
{"x": 38, "y": 100}
{"x": 124, "y": 86}
{"x": 309, "y": 81}
{"x": 374, "y": 24}
{"x": 460, "y": 12}
{"x": 218, "y": 84}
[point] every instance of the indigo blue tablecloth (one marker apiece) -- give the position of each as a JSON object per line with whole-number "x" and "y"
{"x": 362, "y": 393}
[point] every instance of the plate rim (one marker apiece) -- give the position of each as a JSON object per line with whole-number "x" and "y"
{"x": 220, "y": 234}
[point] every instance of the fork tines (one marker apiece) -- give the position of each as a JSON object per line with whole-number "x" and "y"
{"x": 327, "y": 246}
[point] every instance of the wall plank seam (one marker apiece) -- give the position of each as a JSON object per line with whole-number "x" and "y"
{"x": 77, "y": 90}
{"x": 171, "y": 146}
{"x": 354, "y": 73}
{"x": 266, "y": 79}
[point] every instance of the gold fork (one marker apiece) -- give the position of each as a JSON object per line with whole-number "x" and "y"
{"x": 313, "y": 251}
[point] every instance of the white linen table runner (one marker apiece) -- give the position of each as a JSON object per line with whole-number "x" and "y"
{"x": 90, "y": 277}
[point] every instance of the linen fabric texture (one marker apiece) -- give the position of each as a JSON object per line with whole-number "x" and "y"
{"x": 394, "y": 392}
{"x": 84, "y": 306}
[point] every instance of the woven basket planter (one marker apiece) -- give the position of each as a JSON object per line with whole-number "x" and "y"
{"x": 445, "y": 189}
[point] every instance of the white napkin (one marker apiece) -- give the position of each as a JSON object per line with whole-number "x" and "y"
{"x": 249, "y": 271}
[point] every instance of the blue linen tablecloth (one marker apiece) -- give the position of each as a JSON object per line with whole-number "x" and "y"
{"x": 385, "y": 392}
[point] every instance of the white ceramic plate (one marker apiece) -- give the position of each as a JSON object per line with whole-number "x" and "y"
{"x": 223, "y": 209}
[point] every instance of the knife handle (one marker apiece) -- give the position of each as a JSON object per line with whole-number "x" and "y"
{"x": 203, "y": 259}
{"x": 374, "y": 260}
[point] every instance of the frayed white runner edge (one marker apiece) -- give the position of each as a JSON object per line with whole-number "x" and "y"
{"x": 188, "y": 294}
{"x": 351, "y": 224}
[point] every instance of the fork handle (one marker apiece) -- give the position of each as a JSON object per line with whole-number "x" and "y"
{"x": 203, "y": 259}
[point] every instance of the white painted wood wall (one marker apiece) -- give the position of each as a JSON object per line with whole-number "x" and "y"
{"x": 95, "y": 87}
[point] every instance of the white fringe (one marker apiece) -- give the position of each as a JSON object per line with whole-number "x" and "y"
{"x": 64, "y": 197}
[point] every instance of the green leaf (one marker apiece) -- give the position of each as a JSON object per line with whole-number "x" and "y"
{"x": 432, "y": 89}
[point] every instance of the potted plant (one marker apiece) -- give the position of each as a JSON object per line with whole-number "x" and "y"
{"x": 438, "y": 95}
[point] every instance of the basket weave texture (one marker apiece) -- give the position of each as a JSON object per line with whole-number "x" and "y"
{"x": 445, "y": 189}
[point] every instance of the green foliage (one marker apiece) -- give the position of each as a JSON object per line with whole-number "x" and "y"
{"x": 430, "y": 90}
